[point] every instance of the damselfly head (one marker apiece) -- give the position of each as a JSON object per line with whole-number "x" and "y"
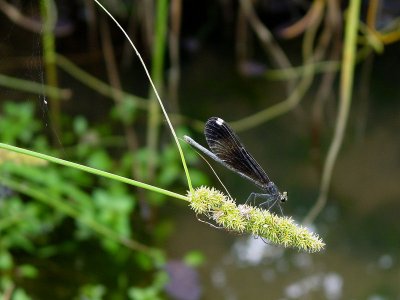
{"x": 283, "y": 197}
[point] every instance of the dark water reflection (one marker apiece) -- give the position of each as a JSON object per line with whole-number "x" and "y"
{"x": 360, "y": 224}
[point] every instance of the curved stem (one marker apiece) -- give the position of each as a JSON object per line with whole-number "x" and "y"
{"x": 156, "y": 93}
{"x": 346, "y": 88}
{"x": 93, "y": 171}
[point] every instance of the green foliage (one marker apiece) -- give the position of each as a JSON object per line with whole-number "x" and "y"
{"x": 65, "y": 209}
{"x": 126, "y": 111}
{"x": 92, "y": 292}
{"x": 151, "y": 292}
{"x": 18, "y": 126}
{"x": 194, "y": 258}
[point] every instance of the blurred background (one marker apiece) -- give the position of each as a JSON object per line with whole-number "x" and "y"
{"x": 72, "y": 87}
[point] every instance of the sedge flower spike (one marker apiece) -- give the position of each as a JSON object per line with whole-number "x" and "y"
{"x": 244, "y": 218}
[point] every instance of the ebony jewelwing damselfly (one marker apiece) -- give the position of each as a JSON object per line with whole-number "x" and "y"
{"x": 227, "y": 149}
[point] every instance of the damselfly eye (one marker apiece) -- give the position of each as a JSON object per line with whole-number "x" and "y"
{"x": 284, "y": 197}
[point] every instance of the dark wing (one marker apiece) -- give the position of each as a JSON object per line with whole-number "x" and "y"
{"x": 224, "y": 143}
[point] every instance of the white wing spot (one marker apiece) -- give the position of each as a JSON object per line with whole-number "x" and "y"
{"x": 219, "y": 121}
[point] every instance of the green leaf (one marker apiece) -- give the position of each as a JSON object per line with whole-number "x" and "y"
{"x": 100, "y": 160}
{"x": 125, "y": 111}
{"x": 20, "y": 294}
{"x": 6, "y": 261}
{"x": 28, "y": 271}
{"x": 92, "y": 292}
{"x": 80, "y": 125}
{"x": 194, "y": 258}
